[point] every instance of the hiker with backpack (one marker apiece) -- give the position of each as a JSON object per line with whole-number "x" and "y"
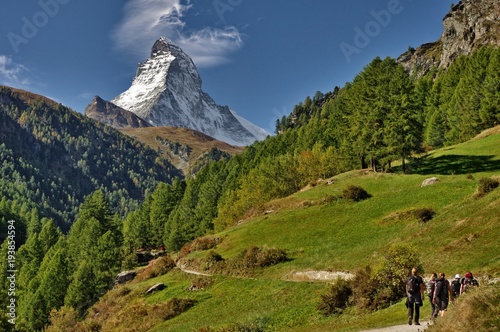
{"x": 456, "y": 286}
{"x": 431, "y": 286}
{"x": 442, "y": 294}
{"x": 468, "y": 282}
{"x": 415, "y": 295}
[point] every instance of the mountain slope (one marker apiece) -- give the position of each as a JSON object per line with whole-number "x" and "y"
{"x": 166, "y": 91}
{"x": 53, "y": 157}
{"x": 321, "y": 234}
{"x": 186, "y": 149}
{"x": 112, "y": 115}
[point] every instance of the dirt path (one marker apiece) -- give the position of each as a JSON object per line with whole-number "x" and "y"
{"x": 402, "y": 328}
{"x": 195, "y": 272}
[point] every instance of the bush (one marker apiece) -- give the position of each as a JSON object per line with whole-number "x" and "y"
{"x": 212, "y": 259}
{"x": 200, "y": 244}
{"x": 176, "y": 306}
{"x": 424, "y": 214}
{"x": 379, "y": 289}
{"x": 257, "y": 257}
{"x": 249, "y": 260}
{"x": 156, "y": 268}
{"x": 486, "y": 185}
{"x": 337, "y": 299}
{"x": 201, "y": 283}
{"x": 355, "y": 193}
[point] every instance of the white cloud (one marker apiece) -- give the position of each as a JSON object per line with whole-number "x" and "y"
{"x": 146, "y": 20}
{"x": 13, "y": 74}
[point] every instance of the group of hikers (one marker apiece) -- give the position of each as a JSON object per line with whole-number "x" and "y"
{"x": 439, "y": 292}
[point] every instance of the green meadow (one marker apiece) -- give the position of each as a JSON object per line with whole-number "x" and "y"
{"x": 322, "y": 232}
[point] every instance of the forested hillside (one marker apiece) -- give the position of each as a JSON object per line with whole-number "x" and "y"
{"x": 52, "y": 157}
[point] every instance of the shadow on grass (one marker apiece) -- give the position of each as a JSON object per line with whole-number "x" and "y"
{"x": 455, "y": 164}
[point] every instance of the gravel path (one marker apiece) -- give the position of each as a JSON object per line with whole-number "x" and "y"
{"x": 402, "y": 328}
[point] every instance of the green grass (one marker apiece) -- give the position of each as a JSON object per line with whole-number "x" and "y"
{"x": 342, "y": 236}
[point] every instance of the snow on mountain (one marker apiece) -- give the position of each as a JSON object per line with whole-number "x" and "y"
{"x": 166, "y": 91}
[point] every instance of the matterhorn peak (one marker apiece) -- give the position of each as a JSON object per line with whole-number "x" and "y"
{"x": 166, "y": 91}
{"x": 163, "y": 45}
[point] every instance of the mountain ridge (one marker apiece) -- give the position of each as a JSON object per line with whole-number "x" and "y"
{"x": 113, "y": 115}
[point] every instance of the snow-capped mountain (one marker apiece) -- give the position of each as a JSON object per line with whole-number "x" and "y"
{"x": 166, "y": 91}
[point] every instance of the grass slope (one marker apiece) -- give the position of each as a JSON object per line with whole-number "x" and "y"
{"x": 337, "y": 235}
{"x": 197, "y": 142}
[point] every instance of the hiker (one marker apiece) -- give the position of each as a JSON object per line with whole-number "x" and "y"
{"x": 415, "y": 295}
{"x": 441, "y": 292}
{"x": 467, "y": 282}
{"x": 431, "y": 286}
{"x": 456, "y": 286}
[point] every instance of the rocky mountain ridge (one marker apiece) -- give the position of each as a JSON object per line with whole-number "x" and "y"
{"x": 113, "y": 115}
{"x": 469, "y": 25}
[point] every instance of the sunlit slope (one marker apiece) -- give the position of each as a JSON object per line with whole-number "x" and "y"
{"x": 321, "y": 232}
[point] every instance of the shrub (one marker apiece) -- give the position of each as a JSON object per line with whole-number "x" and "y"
{"x": 212, "y": 259}
{"x": 257, "y": 257}
{"x": 355, "y": 193}
{"x": 337, "y": 298}
{"x": 201, "y": 283}
{"x": 156, "y": 268}
{"x": 486, "y": 185}
{"x": 201, "y": 244}
{"x": 176, "y": 306}
{"x": 379, "y": 289}
{"x": 424, "y": 214}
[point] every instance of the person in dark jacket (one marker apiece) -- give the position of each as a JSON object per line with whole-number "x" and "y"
{"x": 442, "y": 294}
{"x": 431, "y": 286}
{"x": 415, "y": 295}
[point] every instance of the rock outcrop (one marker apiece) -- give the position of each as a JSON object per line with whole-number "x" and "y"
{"x": 470, "y": 25}
{"x": 113, "y": 115}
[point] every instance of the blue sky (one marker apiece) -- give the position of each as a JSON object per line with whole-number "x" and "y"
{"x": 260, "y": 57}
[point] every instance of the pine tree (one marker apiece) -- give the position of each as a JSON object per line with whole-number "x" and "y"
{"x": 82, "y": 290}
{"x": 402, "y": 127}
{"x": 490, "y": 106}
{"x": 163, "y": 203}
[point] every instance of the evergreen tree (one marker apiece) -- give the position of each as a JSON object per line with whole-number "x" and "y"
{"x": 163, "y": 203}
{"x": 490, "y": 106}
{"x": 82, "y": 290}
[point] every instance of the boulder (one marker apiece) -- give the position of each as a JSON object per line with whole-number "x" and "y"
{"x": 429, "y": 182}
{"x": 155, "y": 288}
{"x": 124, "y": 277}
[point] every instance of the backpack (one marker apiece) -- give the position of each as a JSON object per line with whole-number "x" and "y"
{"x": 413, "y": 285}
{"x": 431, "y": 286}
{"x": 441, "y": 290}
{"x": 455, "y": 287}
{"x": 469, "y": 282}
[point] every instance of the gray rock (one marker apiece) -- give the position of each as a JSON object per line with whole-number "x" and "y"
{"x": 124, "y": 277}
{"x": 155, "y": 288}
{"x": 429, "y": 182}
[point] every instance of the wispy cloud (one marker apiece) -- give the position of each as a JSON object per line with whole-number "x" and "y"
{"x": 13, "y": 74}
{"x": 145, "y": 21}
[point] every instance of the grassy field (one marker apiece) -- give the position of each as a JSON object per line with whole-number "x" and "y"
{"x": 320, "y": 232}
